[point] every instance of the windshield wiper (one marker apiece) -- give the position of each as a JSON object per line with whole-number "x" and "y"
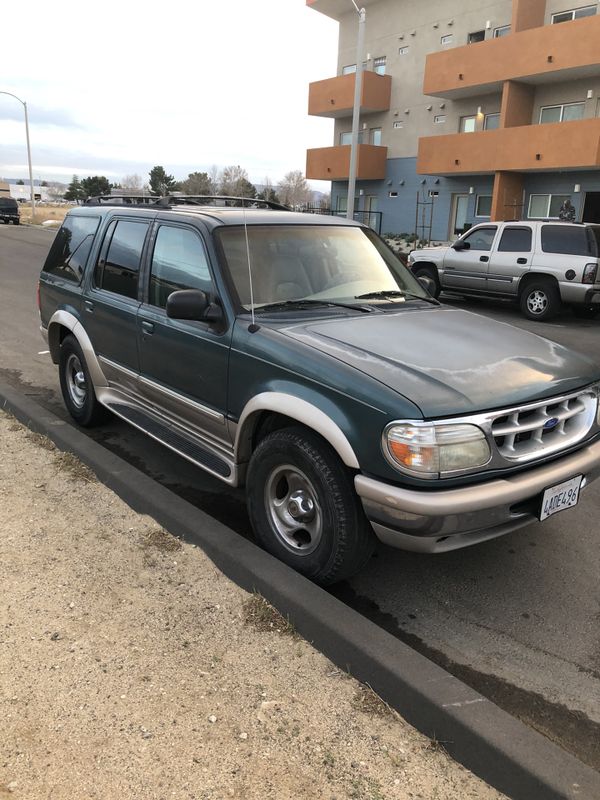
{"x": 387, "y": 295}
{"x": 283, "y": 304}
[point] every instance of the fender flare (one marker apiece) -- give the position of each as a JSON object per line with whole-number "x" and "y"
{"x": 299, "y": 410}
{"x": 67, "y": 320}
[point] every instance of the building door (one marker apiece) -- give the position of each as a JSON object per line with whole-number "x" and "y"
{"x": 370, "y": 218}
{"x": 458, "y": 215}
{"x": 591, "y": 207}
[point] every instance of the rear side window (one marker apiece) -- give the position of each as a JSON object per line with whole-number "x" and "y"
{"x": 71, "y": 247}
{"x": 179, "y": 262}
{"x": 571, "y": 240}
{"x": 119, "y": 262}
{"x": 515, "y": 240}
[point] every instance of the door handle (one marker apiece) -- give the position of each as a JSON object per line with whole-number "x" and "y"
{"x": 89, "y": 306}
{"x": 521, "y": 260}
{"x": 147, "y": 328}
{"x": 484, "y": 258}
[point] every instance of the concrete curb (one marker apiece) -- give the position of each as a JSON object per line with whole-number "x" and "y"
{"x": 495, "y": 746}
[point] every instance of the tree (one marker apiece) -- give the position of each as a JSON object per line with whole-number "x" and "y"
{"x": 268, "y": 192}
{"x": 20, "y": 182}
{"x": 44, "y": 183}
{"x": 235, "y": 183}
{"x": 75, "y": 191}
{"x": 198, "y": 183}
{"x": 95, "y": 185}
{"x": 132, "y": 182}
{"x": 161, "y": 183}
{"x": 293, "y": 190}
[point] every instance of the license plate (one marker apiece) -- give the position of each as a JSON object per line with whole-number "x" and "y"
{"x": 563, "y": 495}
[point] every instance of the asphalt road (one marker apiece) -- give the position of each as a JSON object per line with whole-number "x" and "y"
{"x": 518, "y": 618}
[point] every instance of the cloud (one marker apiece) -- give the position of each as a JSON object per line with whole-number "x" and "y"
{"x": 58, "y": 117}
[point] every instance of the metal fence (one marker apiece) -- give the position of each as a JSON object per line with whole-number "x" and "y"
{"x": 371, "y": 218}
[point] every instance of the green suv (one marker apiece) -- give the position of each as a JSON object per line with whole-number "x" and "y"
{"x": 294, "y": 355}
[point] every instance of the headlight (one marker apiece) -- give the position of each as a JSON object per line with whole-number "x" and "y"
{"x": 427, "y": 450}
{"x": 411, "y": 258}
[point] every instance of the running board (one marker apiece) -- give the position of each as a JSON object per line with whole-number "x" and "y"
{"x": 167, "y": 435}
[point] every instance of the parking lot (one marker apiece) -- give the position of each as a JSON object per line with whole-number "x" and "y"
{"x": 516, "y": 617}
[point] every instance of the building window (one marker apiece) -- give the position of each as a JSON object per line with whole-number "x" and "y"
{"x": 397, "y": 125}
{"x": 346, "y": 137}
{"x": 375, "y": 136}
{"x": 563, "y": 113}
{"x": 575, "y": 13}
{"x": 491, "y": 122}
{"x": 447, "y": 39}
{"x": 484, "y": 205}
{"x": 503, "y": 30}
{"x": 439, "y": 118}
{"x": 467, "y": 124}
{"x": 392, "y": 194}
{"x": 379, "y": 65}
{"x": 546, "y": 206}
{"x": 475, "y": 36}
{"x": 349, "y": 70}
{"x": 403, "y": 51}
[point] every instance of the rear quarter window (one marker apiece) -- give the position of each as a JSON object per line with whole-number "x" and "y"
{"x": 569, "y": 240}
{"x": 71, "y": 247}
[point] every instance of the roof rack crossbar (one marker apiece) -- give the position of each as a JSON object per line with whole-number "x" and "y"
{"x": 168, "y": 201}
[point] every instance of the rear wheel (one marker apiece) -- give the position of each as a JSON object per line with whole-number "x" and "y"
{"x": 303, "y": 507}
{"x": 76, "y": 385}
{"x": 540, "y": 299}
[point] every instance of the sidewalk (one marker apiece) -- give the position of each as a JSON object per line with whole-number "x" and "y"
{"x": 130, "y": 667}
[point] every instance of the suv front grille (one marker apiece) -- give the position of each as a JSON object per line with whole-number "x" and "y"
{"x": 542, "y": 428}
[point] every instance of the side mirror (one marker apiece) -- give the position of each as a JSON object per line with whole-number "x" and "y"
{"x": 428, "y": 284}
{"x": 460, "y": 245}
{"x": 193, "y": 304}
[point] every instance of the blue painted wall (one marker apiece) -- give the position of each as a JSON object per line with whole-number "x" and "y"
{"x": 401, "y": 176}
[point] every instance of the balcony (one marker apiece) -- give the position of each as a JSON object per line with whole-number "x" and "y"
{"x": 335, "y": 9}
{"x": 540, "y": 55}
{"x": 528, "y": 148}
{"x": 334, "y": 97}
{"x": 333, "y": 163}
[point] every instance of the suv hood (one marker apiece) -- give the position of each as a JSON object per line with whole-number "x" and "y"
{"x": 448, "y": 361}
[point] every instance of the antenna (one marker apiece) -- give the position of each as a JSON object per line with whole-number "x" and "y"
{"x": 253, "y": 327}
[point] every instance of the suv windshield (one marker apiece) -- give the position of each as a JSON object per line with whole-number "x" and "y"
{"x": 314, "y": 262}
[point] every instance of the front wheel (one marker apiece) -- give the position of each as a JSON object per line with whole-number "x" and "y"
{"x": 303, "y": 507}
{"x": 540, "y": 299}
{"x": 76, "y": 385}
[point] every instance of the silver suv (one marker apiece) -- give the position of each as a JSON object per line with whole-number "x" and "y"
{"x": 542, "y": 264}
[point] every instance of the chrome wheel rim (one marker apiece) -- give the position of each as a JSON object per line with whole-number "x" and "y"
{"x": 537, "y": 302}
{"x": 293, "y": 509}
{"x": 76, "y": 383}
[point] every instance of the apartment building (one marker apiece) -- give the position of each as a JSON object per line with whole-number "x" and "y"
{"x": 489, "y": 108}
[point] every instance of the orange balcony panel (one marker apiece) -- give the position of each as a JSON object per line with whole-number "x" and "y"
{"x": 333, "y": 163}
{"x": 334, "y": 97}
{"x": 560, "y": 146}
{"x": 538, "y": 55}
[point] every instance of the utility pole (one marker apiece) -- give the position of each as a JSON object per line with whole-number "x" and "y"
{"x": 362, "y": 18}
{"x": 24, "y": 104}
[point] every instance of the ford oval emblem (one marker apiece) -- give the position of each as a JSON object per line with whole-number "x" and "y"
{"x": 550, "y": 424}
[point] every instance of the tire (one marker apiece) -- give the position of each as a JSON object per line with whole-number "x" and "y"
{"x": 76, "y": 385}
{"x": 540, "y": 299}
{"x": 431, "y": 275}
{"x": 303, "y": 507}
{"x": 16, "y": 221}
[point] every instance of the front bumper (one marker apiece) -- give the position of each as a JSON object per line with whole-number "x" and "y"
{"x": 438, "y": 521}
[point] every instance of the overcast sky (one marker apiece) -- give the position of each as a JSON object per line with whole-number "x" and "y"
{"x": 117, "y": 87}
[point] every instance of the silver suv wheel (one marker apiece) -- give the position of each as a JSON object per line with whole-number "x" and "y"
{"x": 76, "y": 383}
{"x": 294, "y": 512}
{"x": 537, "y": 301}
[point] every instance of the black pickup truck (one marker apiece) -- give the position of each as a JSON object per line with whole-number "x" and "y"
{"x": 9, "y": 210}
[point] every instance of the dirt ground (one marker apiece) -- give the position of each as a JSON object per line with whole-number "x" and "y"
{"x": 44, "y": 212}
{"x": 130, "y": 667}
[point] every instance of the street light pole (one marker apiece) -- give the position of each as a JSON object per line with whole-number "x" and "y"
{"x": 362, "y": 18}
{"x": 32, "y": 195}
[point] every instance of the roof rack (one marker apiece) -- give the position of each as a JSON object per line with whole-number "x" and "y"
{"x": 220, "y": 201}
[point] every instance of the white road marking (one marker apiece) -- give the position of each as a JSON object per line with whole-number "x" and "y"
{"x": 43, "y": 352}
